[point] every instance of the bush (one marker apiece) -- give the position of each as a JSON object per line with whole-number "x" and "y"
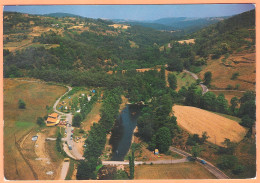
{"x": 238, "y": 169}
{"x": 77, "y": 120}
{"x": 227, "y": 162}
{"x": 234, "y": 76}
{"x": 229, "y": 87}
{"x": 21, "y": 104}
{"x": 40, "y": 121}
{"x": 81, "y": 131}
{"x": 247, "y": 121}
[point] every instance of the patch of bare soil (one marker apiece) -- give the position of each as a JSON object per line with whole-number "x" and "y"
{"x": 37, "y": 156}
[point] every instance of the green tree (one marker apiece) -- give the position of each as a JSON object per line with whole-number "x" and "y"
{"x": 238, "y": 169}
{"x": 196, "y": 150}
{"x": 207, "y": 78}
{"x": 40, "y": 121}
{"x": 86, "y": 169}
{"x": 221, "y": 104}
{"x": 172, "y": 81}
{"x": 77, "y": 120}
{"x": 163, "y": 139}
{"x": 121, "y": 175}
{"x": 21, "y": 104}
{"x": 58, "y": 141}
{"x": 247, "y": 121}
{"x": 234, "y": 104}
{"x": 132, "y": 165}
{"x": 204, "y": 137}
{"x": 227, "y": 161}
{"x": 208, "y": 101}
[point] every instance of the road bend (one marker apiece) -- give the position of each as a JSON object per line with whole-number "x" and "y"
{"x": 73, "y": 151}
{"x": 210, "y": 167}
{"x": 204, "y": 87}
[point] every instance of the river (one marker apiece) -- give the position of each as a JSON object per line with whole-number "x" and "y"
{"x": 123, "y": 131}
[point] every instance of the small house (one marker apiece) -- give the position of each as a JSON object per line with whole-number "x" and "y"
{"x": 156, "y": 151}
{"x": 52, "y": 119}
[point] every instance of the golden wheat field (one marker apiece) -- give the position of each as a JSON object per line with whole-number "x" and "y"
{"x": 196, "y": 120}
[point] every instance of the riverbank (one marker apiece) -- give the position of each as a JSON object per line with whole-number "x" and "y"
{"x": 107, "y": 152}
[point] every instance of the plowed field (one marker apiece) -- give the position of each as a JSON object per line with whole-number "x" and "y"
{"x": 196, "y": 120}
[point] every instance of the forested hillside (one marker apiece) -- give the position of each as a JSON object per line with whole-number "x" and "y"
{"x": 53, "y": 48}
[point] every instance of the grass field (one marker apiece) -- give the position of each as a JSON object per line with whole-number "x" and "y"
{"x": 189, "y": 170}
{"x": 18, "y": 122}
{"x": 93, "y": 116}
{"x": 196, "y": 120}
{"x": 133, "y": 44}
{"x": 183, "y": 79}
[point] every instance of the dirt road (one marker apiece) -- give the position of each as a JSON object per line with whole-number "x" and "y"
{"x": 64, "y": 170}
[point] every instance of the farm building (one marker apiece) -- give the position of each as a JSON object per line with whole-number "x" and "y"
{"x": 52, "y": 119}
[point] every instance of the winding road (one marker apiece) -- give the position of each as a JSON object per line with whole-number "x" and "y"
{"x": 204, "y": 87}
{"x": 74, "y": 151}
{"x": 211, "y": 168}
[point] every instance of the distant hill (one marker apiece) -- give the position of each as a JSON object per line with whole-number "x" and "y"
{"x": 61, "y": 15}
{"x": 185, "y": 24}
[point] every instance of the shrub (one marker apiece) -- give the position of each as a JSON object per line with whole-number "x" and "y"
{"x": 21, "y": 104}
{"x": 229, "y": 87}
{"x": 227, "y": 162}
{"x": 40, "y": 121}
{"x": 234, "y": 76}
{"x": 238, "y": 169}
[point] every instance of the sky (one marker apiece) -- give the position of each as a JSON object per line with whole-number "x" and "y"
{"x": 138, "y": 12}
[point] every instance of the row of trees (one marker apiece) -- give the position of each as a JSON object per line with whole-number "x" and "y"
{"x": 85, "y": 108}
{"x": 244, "y": 107}
{"x": 96, "y": 137}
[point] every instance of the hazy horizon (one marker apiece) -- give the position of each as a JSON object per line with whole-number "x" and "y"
{"x": 137, "y": 12}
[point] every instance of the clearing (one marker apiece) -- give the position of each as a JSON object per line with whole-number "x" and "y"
{"x": 189, "y": 170}
{"x": 196, "y": 120}
{"x": 222, "y": 70}
{"x": 187, "y": 41}
{"x": 19, "y": 122}
{"x": 119, "y": 26}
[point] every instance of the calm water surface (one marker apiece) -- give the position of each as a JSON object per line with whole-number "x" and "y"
{"x": 123, "y": 130}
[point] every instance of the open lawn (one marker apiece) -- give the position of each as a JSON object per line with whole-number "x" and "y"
{"x": 189, "y": 170}
{"x": 19, "y": 122}
{"x": 196, "y": 120}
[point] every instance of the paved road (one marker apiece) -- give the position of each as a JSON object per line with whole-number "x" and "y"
{"x": 174, "y": 161}
{"x": 64, "y": 170}
{"x": 214, "y": 170}
{"x": 74, "y": 151}
{"x": 204, "y": 87}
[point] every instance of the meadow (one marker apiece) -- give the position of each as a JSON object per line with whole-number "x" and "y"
{"x": 19, "y": 122}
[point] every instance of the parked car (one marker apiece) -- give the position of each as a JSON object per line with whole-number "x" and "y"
{"x": 70, "y": 148}
{"x": 66, "y": 160}
{"x": 203, "y": 162}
